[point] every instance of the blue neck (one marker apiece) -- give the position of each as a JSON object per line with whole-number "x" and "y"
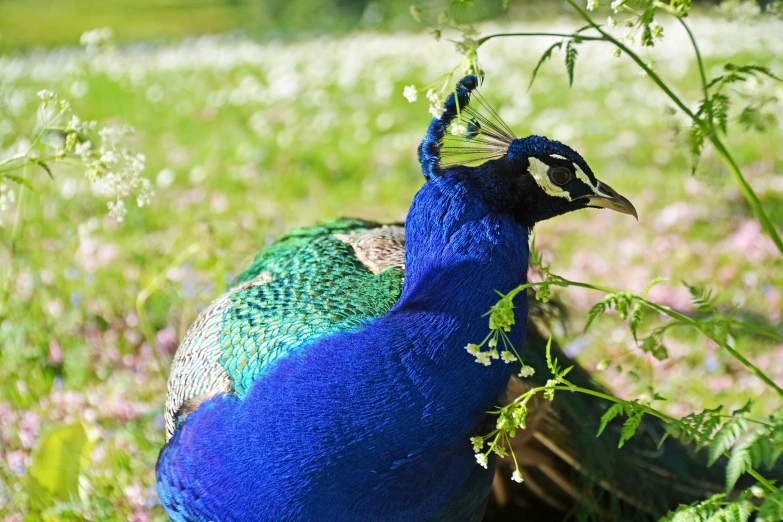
{"x": 387, "y": 408}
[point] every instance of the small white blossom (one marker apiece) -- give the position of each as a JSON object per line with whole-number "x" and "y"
{"x": 617, "y": 4}
{"x": 83, "y": 150}
{"x": 494, "y": 354}
{"x": 757, "y": 492}
{"x": 526, "y": 371}
{"x": 483, "y": 358}
{"x": 472, "y": 349}
{"x": 436, "y": 103}
{"x": 549, "y": 393}
{"x": 591, "y": 4}
{"x": 507, "y": 356}
{"x": 436, "y": 111}
{"x": 482, "y": 460}
{"x": 46, "y": 95}
{"x": 478, "y": 443}
{"x": 458, "y": 129}
{"x": 493, "y": 342}
{"x": 410, "y": 93}
{"x": 611, "y": 22}
{"x": 516, "y": 476}
{"x": 117, "y": 209}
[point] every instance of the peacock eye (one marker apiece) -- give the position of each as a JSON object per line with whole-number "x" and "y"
{"x": 560, "y": 175}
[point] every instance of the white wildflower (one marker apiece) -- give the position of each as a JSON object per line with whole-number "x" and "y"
{"x": 516, "y": 476}
{"x": 478, "y": 443}
{"x": 472, "y": 349}
{"x": 617, "y": 4}
{"x": 591, "y": 4}
{"x": 46, "y": 95}
{"x": 507, "y": 356}
{"x": 611, "y": 22}
{"x": 757, "y": 492}
{"x": 83, "y": 150}
{"x": 410, "y": 93}
{"x": 549, "y": 393}
{"x": 526, "y": 371}
{"x": 436, "y": 103}
{"x": 494, "y": 354}
{"x": 482, "y": 460}
{"x": 117, "y": 209}
{"x": 493, "y": 342}
{"x": 483, "y": 358}
{"x": 458, "y": 129}
{"x": 436, "y": 111}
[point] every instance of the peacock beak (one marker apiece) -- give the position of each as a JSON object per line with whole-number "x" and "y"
{"x": 609, "y": 198}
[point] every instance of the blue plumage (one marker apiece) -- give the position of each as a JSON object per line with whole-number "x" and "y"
{"x": 371, "y": 420}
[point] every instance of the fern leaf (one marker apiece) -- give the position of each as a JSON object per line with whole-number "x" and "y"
{"x": 630, "y": 426}
{"x": 611, "y": 413}
{"x": 726, "y": 437}
{"x": 570, "y": 61}
{"x": 544, "y": 57}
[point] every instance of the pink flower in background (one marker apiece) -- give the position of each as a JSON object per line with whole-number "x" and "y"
{"x": 749, "y": 242}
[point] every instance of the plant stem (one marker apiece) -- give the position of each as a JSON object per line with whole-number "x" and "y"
{"x": 747, "y": 191}
{"x": 559, "y": 35}
{"x": 745, "y": 188}
{"x": 671, "y": 313}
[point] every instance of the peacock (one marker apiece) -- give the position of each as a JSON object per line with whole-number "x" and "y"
{"x": 331, "y": 381}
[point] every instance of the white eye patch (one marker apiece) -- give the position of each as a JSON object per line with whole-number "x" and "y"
{"x": 586, "y": 180}
{"x": 538, "y": 169}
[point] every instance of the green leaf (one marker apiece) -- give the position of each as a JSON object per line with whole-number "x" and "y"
{"x": 544, "y": 57}
{"x": 752, "y": 70}
{"x": 701, "y": 297}
{"x": 597, "y": 309}
{"x": 19, "y": 181}
{"x": 570, "y": 61}
{"x": 58, "y": 461}
{"x": 636, "y": 318}
{"x": 609, "y": 415}
{"x": 45, "y": 167}
{"x": 652, "y": 284}
{"x": 772, "y": 508}
{"x": 720, "y": 111}
{"x": 630, "y": 426}
{"x": 726, "y": 437}
{"x": 695, "y": 143}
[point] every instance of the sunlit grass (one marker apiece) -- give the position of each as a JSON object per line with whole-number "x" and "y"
{"x": 245, "y": 141}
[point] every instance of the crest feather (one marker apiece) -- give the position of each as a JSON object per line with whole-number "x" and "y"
{"x": 465, "y": 134}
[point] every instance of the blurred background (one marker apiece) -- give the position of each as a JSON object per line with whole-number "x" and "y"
{"x": 256, "y": 116}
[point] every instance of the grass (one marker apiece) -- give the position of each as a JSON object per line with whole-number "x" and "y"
{"x": 245, "y": 141}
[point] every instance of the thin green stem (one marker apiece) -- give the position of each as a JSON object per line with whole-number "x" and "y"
{"x": 674, "y": 315}
{"x": 567, "y": 386}
{"x": 761, "y": 330}
{"x": 635, "y": 57}
{"x": 699, "y": 60}
{"x": 747, "y": 191}
{"x": 558, "y": 35}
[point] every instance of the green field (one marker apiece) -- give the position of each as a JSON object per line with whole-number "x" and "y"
{"x": 245, "y": 140}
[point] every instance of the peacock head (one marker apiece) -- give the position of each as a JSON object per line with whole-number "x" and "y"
{"x": 532, "y": 178}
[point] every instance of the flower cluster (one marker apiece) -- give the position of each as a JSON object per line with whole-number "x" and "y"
{"x": 97, "y": 40}
{"x": 114, "y": 171}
